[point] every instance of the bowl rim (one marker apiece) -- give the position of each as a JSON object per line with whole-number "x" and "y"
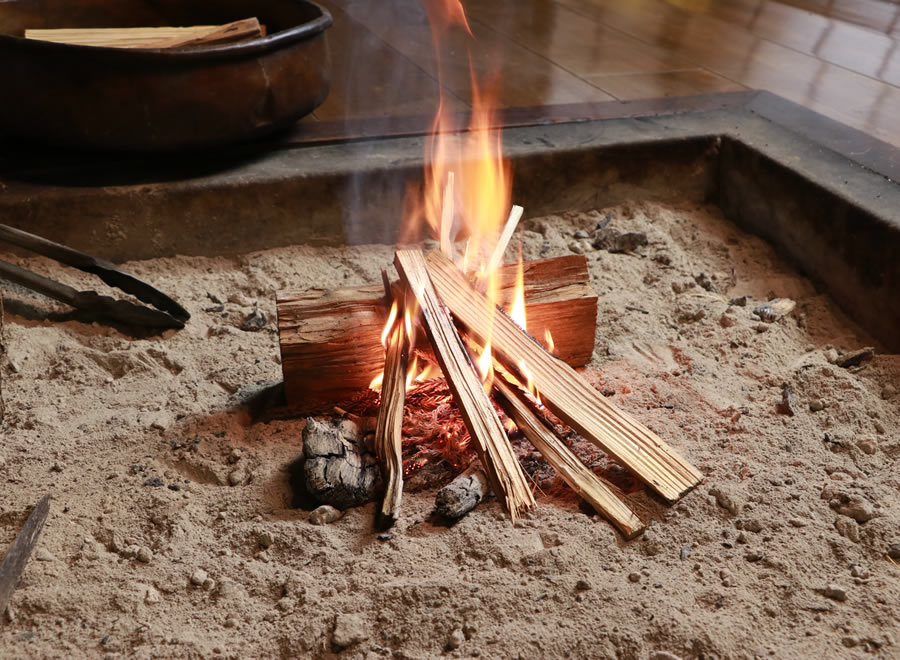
{"x": 255, "y": 46}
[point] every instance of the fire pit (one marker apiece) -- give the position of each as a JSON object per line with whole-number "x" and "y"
{"x": 788, "y": 418}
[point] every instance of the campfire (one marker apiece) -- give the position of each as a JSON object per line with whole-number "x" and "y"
{"x": 459, "y": 313}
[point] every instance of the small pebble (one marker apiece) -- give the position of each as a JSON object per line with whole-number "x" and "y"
{"x": 581, "y": 233}
{"x": 144, "y": 554}
{"x": 198, "y": 577}
{"x": 582, "y": 585}
{"x": 835, "y": 592}
{"x": 853, "y": 506}
{"x": 385, "y": 536}
{"x": 456, "y": 639}
{"x": 753, "y": 555}
{"x": 867, "y": 446}
{"x": 265, "y": 538}
{"x": 634, "y": 577}
{"x": 663, "y": 655}
{"x": 725, "y": 500}
{"x": 816, "y": 405}
{"x": 894, "y": 551}
{"x": 324, "y": 515}
{"x": 349, "y": 629}
{"x": 237, "y": 477}
{"x": 42, "y": 554}
{"x": 576, "y": 248}
{"x": 888, "y": 392}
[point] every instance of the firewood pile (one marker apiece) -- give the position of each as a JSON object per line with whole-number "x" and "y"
{"x": 337, "y": 343}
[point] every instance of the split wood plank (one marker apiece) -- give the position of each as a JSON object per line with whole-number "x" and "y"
{"x": 564, "y": 390}
{"x": 580, "y": 479}
{"x": 491, "y": 442}
{"x": 17, "y": 556}
{"x": 388, "y": 433}
{"x": 152, "y": 37}
{"x": 330, "y": 340}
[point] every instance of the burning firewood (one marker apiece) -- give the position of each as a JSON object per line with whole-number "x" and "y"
{"x": 331, "y": 339}
{"x": 390, "y": 418}
{"x": 491, "y": 442}
{"x": 562, "y": 389}
{"x": 573, "y": 472}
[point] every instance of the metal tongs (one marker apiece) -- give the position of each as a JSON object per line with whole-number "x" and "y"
{"x": 167, "y": 312}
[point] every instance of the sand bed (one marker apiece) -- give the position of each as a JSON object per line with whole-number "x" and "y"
{"x": 172, "y": 534}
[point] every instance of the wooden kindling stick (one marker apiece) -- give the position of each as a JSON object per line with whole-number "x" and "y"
{"x": 491, "y": 443}
{"x": 496, "y": 259}
{"x": 562, "y": 389}
{"x": 584, "y": 482}
{"x": 152, "y": 37}
{"x": 388, "y": 434}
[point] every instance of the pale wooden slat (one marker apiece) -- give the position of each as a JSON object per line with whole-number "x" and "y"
{"x": 580, "y": 479}
{"x": 388, "y": 436}
{"x": 563, "y": 389}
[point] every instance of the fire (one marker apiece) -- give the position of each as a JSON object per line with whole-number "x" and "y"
{"x": 466, "y": 195}
{"x": 442, "y": 14}
{"x": 392, "y": 316}
{"x": 548, "y": 341}
{"x": 486, "y": 368}
{"x": 529, "y": 381}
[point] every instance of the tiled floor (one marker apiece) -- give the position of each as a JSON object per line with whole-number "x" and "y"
{"x": 838, "y": 57}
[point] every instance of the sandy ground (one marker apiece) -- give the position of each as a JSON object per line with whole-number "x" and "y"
{"x": 172, "y": 534}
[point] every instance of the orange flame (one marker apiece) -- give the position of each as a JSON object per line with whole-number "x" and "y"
{"x": 548, "y": 339}
{"x": 529, "y": 381}
{"x": 486, "y": 368}
{"x": 392, "y": 316}
{"x": 410, "y": 373}
{"x": 443, "y": 14}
